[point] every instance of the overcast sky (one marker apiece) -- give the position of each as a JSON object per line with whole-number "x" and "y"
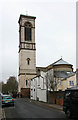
{"x": 55, "y": 32}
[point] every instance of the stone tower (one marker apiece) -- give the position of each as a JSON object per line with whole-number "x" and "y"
{"x": 27, "y": 51}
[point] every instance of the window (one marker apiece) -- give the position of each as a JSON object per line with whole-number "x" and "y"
{"x": 71, "y": 83}
{"x": 38, "y": 82}
{"x": 59, "y": 82}
{"x": 27, "y": 31}
{"x": 28, "y": 61}
{"x": 26, "y": 82}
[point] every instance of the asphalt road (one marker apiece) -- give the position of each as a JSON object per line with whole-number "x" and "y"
{"x": 23, "y": 109}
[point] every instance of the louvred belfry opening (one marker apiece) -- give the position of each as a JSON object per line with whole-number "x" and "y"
{"x": 28, "y": 30}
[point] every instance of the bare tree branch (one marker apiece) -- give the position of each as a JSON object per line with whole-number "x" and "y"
{"x": 51, "y": 82}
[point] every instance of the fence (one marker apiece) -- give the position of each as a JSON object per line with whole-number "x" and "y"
{"x": 56, "y": 97}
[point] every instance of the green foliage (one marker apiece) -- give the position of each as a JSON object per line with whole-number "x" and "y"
{"x": 4, "y": 89}
{"x": 1, "y": 83}
{"x": 11, "y": 86}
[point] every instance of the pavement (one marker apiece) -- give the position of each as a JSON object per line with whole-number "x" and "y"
{"x": 0, "y": 113}
{"x": 54, "y": 106}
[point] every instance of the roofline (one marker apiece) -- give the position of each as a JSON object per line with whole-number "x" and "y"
{"x": 63, "y": 64}
{"x": 52, "y": 65}
{"x": 41, "y": 67}
{"x": 25, "y": 16}
{"x": 44, "y": 69}
{"x": 72, "y": 88}
{"x": 37, "y": 76}
{"x": 68, "y": 77}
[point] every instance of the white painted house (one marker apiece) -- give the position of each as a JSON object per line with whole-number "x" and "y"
{"x": 38, "y": 87}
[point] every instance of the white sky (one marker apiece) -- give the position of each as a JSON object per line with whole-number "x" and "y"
{"x": 55, "y": 32}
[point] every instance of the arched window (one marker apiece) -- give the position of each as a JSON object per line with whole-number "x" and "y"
{"x": 26, "y": 82}
{"x": 28, "y": 61}
{"x": 28, "y": 27}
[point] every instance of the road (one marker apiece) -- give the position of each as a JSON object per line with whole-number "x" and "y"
{"x": 23, "y": 109}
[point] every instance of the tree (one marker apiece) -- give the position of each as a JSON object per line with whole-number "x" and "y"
{"x": 4, "y": 89}
{"x": 11, "y": 86}
{"x": 1, "y": 83}
{"x": 51, "y": 83}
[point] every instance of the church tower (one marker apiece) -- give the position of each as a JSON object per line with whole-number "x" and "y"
{"x": 27, "y": 51}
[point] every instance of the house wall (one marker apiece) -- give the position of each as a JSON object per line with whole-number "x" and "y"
{"x": 65, "y": 83}
{"x": 37, "y": 89}
{"x": 63, "y": 68}
{"x": 59, "y": 87}
{"x": 77, "y": 76}
{"x": 41, "y": 95}
{"x": 33, "y": 89}
{"x": 73, "y": 78}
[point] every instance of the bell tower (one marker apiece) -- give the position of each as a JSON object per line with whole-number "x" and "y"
{"x": 27, "y": 51}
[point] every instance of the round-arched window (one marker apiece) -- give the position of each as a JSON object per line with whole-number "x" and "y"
{"x": 28, "y": 61}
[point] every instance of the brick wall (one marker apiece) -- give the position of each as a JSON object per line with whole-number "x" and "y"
{"x": 56, "y": 97}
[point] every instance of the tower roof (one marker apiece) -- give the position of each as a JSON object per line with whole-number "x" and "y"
{"x": 61, "y": 62}
{"x": 58, "y": 62}
{"x": 26, "y": 16}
